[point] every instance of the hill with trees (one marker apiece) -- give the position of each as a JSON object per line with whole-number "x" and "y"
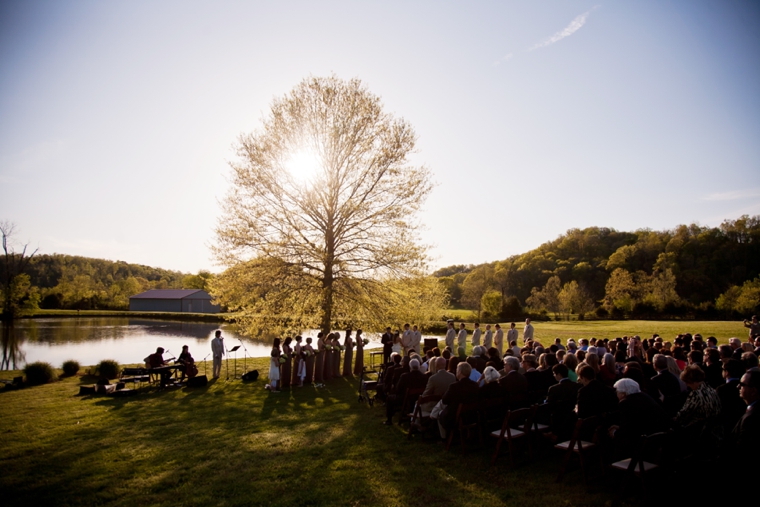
{"x": 687, "y": 272}
{"x": 72, "y": 282}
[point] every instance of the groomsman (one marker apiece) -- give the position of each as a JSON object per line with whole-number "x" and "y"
{"x": 416, "y": 339}
{"x": 488, "y": 338}
{"x": 498, "y": 341}
{"x": 476, "y": 335}
{"x": 406, "y": 339}
{"x": 527, "y": 331}
{"x": 512, "y": 334}
{"x": 450, "y": 334}
{"x": 462, "y": 339}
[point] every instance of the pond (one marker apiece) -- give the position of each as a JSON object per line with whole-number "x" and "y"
{"x": 127, "y": 340}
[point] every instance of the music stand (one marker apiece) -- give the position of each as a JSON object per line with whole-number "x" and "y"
{"x": 233, "y": 349}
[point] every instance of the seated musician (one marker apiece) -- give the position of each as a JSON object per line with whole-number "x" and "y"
{"x": 187, "y": 364}
{"x": 156, "y": 360}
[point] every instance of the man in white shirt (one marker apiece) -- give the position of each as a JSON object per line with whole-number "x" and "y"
{"x": 406, "y": 339}
{"x": 462, "y": 339}
{"x": 416, "y": 339}
{"x": 527, "y": 331}
{"x": 488, "y": 338}
{"x": 498, "y": 340}
{"x": 451, "y": 334}
{"x": 511, "y": 334}
{"x": 476, "y": 335}
{"x": 217, "y": 351}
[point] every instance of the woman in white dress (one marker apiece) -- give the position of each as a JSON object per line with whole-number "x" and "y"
{"x": 274, "y": 367}
{"x": 396, "y": 342}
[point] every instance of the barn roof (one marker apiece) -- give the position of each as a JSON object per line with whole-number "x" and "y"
{"x": 171, "y": 294}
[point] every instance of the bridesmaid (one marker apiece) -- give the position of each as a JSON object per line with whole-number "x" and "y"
{"x": 336, "y": 355}
{"x": 309, "y": 361}
{"x": 319, "y": 360}
{"x": 327, "y": 372}
{"x": 349, "y": 356}
{"x": 287, "y": 353}
{"x": 274, "y": 367}
{"x": 296, "y": 379}
{"x": 359, "y": 364}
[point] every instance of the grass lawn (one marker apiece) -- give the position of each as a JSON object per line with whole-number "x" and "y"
{"x": 236, "y": 444}
{"x": 233, "y": 443}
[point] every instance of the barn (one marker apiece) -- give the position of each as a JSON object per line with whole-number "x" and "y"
{"x": 173, "y": 300}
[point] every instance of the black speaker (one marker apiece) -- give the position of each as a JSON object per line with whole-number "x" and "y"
{"x": 197, "y": 381}
{"x": 251, "y": 375}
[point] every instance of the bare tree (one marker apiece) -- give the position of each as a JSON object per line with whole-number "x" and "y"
{"x": 328, "y": 241}
{"x": 14, "y": 264}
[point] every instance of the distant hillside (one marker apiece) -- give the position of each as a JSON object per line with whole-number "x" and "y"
{"x": 688, "y": 271}
{"x": 70, "y": 281}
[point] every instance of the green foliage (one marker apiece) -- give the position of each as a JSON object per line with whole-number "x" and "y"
{"x": 71, "y": 282}
{"x": 491, "y": 302}
{"x": 744, "y": 300}
{"x": 682, "y": 269}
{"x": 108, "y": 368}
{"x": 511, "y": 310}
{"x": 39, "y": 373}
{"x": 200, "y": 281}
{"x": 70, "y": 367}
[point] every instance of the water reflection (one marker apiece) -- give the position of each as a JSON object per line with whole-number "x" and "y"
{"x": 12, "y": 355}
{"x": 127, "y": 340}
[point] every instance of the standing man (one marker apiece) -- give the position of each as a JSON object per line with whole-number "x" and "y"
{"x": 476, "y": 335}
{"x": 754, "y": 328}
{"x": 387, "y": 341}
{"x": 450, "y": 334}
{"x": 406, "y": 339}
{"x": 512, "y": 334}
{"x": 416, "y": 339}
{"x": 462, "y": 340}
{"x": 488, "y": 339}
{"x": 527, "y": 331}
{"x": 217, "y": 351}
{"x": 498, "y": 341}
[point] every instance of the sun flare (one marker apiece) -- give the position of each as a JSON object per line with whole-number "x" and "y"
{"x": 302, "y": 165}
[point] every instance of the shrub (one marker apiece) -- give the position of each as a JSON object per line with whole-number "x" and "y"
{"x": 108, "y": 368}
{"x": 39, "y": 373}
{"x": 70, "y": 368}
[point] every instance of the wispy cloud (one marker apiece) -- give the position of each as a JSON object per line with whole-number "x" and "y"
{"x": 502, "y": 59}
{"x": 570, "y": 29}
{"x": 734, "y": 195}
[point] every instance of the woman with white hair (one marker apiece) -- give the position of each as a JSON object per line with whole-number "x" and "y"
{"x": 640, "y": 415}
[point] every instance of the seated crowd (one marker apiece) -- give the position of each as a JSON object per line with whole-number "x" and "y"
{"x": 703, "y": 395}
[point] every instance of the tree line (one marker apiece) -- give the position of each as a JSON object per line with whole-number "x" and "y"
{"x": 687, "y": 272}
{"x": 59, "y": 281}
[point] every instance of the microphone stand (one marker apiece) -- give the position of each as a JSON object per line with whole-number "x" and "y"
{"x": 245, "y": 357}
{"x": 227, "y": 361}
{"x": 205, "y": 371}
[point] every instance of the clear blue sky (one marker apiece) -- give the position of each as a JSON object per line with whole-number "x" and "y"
{"x": 117, "y": 118}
